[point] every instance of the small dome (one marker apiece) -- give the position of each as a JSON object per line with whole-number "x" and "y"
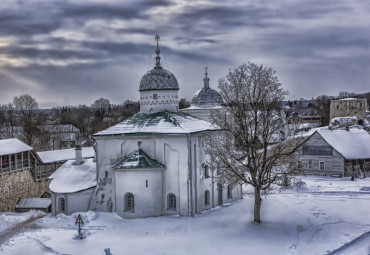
{"x": 206, "y": 97}
{"x": 158, "y": 79}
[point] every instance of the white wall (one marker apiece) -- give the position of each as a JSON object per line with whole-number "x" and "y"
{"x": 147, "y": 200}
{"x": 74, "y": 202}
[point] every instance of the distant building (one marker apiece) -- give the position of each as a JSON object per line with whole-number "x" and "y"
{"x": 61, "y": 136}
{"x": 349, "y": 107}
{"x": 335, "y": 152}
{"x": 203, "y": 101}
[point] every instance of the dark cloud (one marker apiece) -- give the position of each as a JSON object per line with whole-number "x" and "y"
{"x": 97, "y": 46}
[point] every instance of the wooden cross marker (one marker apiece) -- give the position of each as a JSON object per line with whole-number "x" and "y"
{"x": 79, "y": 221}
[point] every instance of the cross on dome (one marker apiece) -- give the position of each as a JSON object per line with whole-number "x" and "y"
{"x": 157, "y": 51}
{"x": 206, "y": 79}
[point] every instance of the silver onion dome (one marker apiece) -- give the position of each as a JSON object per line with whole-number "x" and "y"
{"x": 206, "y": 96}
{"x": 158, "y": 78}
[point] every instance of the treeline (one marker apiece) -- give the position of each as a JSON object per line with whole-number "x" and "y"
{"x": 23, "y": 119}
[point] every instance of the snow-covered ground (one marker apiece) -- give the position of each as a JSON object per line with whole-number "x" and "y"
{"x": 328, "y": 214}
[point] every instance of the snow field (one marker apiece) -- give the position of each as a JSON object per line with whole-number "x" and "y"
{"x": 324, "y": 216}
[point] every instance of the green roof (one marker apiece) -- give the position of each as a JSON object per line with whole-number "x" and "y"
{"x": 137, "y": 159}
{"x": 163, "y": 122}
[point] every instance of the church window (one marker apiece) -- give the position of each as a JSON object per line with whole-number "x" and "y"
{"x": 207, "y": 200}
{"x": 146, "y": 183}
{"x": 155, "y": 96}
{"x": 206, "y": 171}
{"x": 229, "y": 191}
{"x": 62, "y": 205}
{"x": 129, "y": 203}
{"x": 171, "y": 202}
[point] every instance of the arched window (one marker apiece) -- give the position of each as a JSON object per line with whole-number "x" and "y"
{"x": 129, "y": 203}
{"x": 171, "y": 202}
{"x": 229, "y": 191}
{"x": 207, "y": 200}
{"x": 62, "y": 205}
{"x": 206, "y": 171}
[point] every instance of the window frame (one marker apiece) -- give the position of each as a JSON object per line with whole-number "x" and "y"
{"x": 171, "y": 202}
{"x": 129, "y": 203}
{"x": 322, "y": 163}
{"x": 61, "y": 205}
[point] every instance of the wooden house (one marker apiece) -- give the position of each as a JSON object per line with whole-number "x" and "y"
{"x": 343, "y": 152}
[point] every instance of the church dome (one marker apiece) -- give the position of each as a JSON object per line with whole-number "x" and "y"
{"x": 158, "y": 79}
{"x": 206, "y": 96}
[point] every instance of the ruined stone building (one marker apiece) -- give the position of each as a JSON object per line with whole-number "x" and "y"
{"x": 349, "y": 107}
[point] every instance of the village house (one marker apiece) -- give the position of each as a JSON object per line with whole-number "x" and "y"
{"x": 151, "y": 164}
{"x": 343, "y": 152}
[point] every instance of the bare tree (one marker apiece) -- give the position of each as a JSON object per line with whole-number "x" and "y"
{"x": 26, "y": 107}
{"x": 101, "y": 106}
{"x": 250, "y": 149}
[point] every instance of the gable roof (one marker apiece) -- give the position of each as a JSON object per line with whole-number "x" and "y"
{"x": 70, "y": 178}
{"x": 64, "y": 155}
{"x": 137, "y": 159}
{"x": 34, "y": 203}
{"x": 159, "y": 123}
{"x": 352, "y": 144}
{"x": 12, "y": 146}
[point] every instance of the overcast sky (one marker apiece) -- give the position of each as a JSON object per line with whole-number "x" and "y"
{"x": 72, "y": 52}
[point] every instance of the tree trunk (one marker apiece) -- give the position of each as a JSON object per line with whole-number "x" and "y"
{"x": 257, "y": 205}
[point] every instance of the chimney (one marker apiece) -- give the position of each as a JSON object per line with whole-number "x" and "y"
{"x": 78, "y": 151}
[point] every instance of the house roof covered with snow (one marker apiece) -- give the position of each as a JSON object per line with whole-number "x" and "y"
{"x": 12, "y": 146}
{"x": 33, "y": 203}
{"x": 63, "y": 155}
{"x": 137, "y": 159}
{"x": 159, "y": 123}
{"x": 71, "y": 178}
{"x": 351, "y": 144}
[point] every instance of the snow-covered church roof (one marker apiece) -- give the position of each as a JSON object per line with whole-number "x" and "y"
{"x": 159, "y": 123}
{"x": 351, "y": 144}
{"x": 137, "y": 159}
{"x": 71, "y": 178}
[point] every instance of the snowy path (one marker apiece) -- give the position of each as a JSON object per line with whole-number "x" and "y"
{"x": 19, "y": 227}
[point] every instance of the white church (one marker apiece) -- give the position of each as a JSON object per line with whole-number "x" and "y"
{"x": 151, "y": 164}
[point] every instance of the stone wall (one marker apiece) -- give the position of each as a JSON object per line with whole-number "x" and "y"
{"x": 19, "y": 184}
{"x": 348, "y": 107}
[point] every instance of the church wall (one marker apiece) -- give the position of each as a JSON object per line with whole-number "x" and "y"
{"x": 172, "y": 151}
{"x": 147, "y": 198}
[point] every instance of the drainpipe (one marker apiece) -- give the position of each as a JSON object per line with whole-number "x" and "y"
{"x": 190, "y": 186}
